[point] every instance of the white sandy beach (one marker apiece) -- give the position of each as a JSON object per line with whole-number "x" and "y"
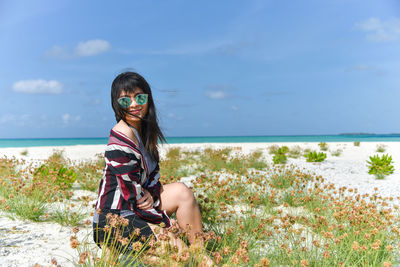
{"x": 23, "y": 243}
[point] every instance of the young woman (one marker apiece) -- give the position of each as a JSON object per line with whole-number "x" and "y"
{"x": 130, "y": 186}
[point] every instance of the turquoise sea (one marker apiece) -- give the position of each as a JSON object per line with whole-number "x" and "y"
{"x": 209, "y": 139}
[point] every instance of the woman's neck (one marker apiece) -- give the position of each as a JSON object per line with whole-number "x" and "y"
{"x": 136, "y": 125}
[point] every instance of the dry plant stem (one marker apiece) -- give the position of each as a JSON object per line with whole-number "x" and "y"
{"x": 110, "y": 255}
{"x": 176, "y": 242}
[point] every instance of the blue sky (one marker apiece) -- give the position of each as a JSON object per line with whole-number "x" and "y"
{"x": 216, "y": 68}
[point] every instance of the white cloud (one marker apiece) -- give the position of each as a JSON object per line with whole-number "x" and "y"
{"x": 91, "y": 48}
{"x": 380, "y": 31}
{"x": 68, "y": 118}
{"x": 82, "y": 49}
{"x": 57, "y": 52}
{"x": 216, "y": 94}
{"x": 219, "y": 91}
{"x": 38, "y": 86}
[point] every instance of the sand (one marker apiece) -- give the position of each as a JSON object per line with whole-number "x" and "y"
{"x": 24, "y": 243}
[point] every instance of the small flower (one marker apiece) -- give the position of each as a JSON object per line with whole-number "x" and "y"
{"x": 137, "y": 246}
{"x": 304, "y": 263}
{"x": 75, "y": 243}
{"x": 264, "y": 262}
{"x": 217, "y": 257}
{"x": 83, "y": 257}
{"x": 75, "y": 230}
{"x": 326, "y": 254}
{"x": 226, "y": 250}
{"x": 124, "y": 222}
{"x": 355, "y": 246}
{"x": 389, "y": 247}
{"x": 376, "y": 244}
{"x": 54, "y": 261}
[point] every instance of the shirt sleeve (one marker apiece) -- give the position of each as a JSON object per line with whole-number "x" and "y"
{"x": 126, "y": 166}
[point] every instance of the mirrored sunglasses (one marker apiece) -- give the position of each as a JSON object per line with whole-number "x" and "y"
{"x": 126, "y": 101}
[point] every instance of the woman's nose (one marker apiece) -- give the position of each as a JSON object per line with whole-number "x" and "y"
{"x": 133, "y": 102}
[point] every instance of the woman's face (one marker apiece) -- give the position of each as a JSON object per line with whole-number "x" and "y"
{"x": 135, "y": 108}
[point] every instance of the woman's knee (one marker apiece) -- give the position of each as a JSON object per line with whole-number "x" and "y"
{"x": 185, "y": 193}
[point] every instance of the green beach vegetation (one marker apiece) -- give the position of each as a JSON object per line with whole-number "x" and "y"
{"x": 380, "y": 166}
{"x": 315, "y": 156}
{"x": 336, "y": 152}
{"x": 295, "y": 152}
{"x": 280, "y": 155}
{"x": 380, "y": 148}
{"x": 356, "y": 143}
{"x": 323, "y": 146}
{"x": 254, "y": 214}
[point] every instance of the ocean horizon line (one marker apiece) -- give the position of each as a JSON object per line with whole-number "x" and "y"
{"x": 219, "y": 136}
{"x": 70, "y": 141}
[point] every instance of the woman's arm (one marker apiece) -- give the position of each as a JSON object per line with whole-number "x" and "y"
{"x": 125, "y": 165}
{"x": 153, "y": 185}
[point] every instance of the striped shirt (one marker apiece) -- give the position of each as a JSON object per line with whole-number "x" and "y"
{"x": 125, "y": 176}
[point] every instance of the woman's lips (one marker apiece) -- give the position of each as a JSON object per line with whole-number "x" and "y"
{"x": 135, "y": 111}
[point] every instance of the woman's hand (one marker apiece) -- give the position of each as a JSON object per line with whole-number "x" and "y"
{"x": 146, "y": 202}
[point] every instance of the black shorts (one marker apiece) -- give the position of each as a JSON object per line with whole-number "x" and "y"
{"x": 135, "y": 222}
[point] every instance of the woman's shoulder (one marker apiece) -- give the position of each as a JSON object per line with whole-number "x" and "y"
{"x": 122, "y": 128}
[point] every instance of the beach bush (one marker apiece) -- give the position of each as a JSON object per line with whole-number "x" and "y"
{"x": 336, "y": 152}
{"x": 380, "y": 148}
{"x": 89, "y": 174}
{"x": 279, "y": 159}
{"x": 356, "y": 143}
{"x": 280, "y": 155}
{"x": 380, "y": 166}
{"x": 68, "y": 215}
{"x": 315, "y": 156}
{"x": 323, "y": 146}
{"x": 295, "y": 152}
{"x": 55, "y": 172}
{"x": 8, "y": 167}
{"x": 24, "y": 152}
{"x": 272, "y": 149}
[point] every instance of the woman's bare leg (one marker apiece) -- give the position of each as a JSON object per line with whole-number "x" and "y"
{"x": 177, "y": 197}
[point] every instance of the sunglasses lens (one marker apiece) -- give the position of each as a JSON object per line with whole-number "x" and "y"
{"x": 141, "y": 99}
{"x": 124, "y": 102}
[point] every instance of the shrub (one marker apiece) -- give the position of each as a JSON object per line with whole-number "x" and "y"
{"x": 273, "y": 149}
{"x": 24, "y": 152}
{"x": 294, "y": 152}
{"x": 356, "y": 143}
{"x": 337, "y": 152}
{"x": 55, "y": 171}
{"x": 315, "y": 157}
{"x": 323, "y": 146}
{"x": 380, "y": 148}
{"x": 280, "y": 155}
{"x": 380, "y": 166}
{"x": 279, "y": 159}
{"x": 88, "y": 174}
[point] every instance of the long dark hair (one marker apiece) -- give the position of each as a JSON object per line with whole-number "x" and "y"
{"x": 150, "y": 132}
